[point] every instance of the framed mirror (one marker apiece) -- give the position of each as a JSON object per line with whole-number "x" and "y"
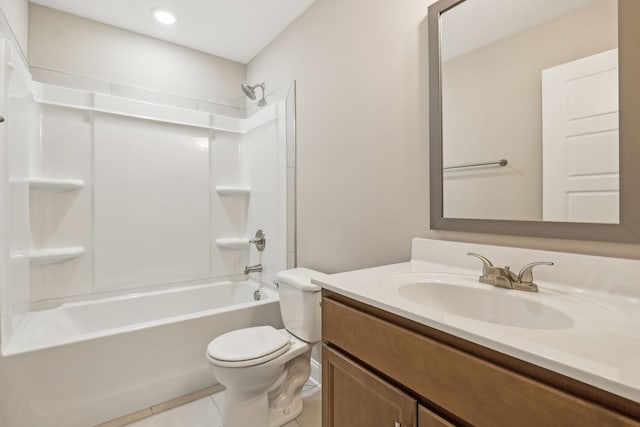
{"x": 534, "y": 126}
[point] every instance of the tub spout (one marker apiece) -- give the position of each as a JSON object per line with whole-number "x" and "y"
{"x": 253, "y": 268}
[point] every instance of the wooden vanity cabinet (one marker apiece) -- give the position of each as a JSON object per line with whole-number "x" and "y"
{"x": 381, "y": 370}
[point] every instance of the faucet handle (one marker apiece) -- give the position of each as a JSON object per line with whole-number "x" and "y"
{"x": 486, "y": 264}
{"x": 526, "y": 274}
{"x": 260, "y": 240}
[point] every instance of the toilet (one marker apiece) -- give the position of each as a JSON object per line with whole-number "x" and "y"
{"x": 263, "y": 368}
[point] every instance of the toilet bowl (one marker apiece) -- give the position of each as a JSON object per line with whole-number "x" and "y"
{"x": 263, "y": 368}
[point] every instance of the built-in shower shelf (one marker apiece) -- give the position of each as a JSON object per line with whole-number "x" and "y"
{"x": 55, "y": 255}
{"x": 234, "y": 243}
{"x": 230, "y": 190}
{"x": 55, "y": 185}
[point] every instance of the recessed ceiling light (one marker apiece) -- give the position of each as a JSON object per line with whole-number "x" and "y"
{"x": 164, "y": 16}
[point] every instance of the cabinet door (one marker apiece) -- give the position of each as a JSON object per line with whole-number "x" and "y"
{"x": 426, "y": 418}
{"x": 354, "y": 397}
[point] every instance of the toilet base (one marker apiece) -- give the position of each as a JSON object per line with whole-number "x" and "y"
{"x": 285, "y": 402}
{"x": 280, "y": 417}
{"x": 256, "y": 413}
{"x": 266, "y": 395}
{"x": 276, "y": 407}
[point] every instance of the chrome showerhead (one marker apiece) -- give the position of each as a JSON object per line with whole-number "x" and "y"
{"x": 250, "y": 91}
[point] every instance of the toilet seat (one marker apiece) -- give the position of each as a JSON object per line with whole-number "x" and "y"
{"x": 248, "y": 347}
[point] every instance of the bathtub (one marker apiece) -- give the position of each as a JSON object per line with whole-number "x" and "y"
{"x": 85, "y": 363}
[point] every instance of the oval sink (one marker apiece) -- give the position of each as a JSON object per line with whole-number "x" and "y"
{"x": 493, "y": 305}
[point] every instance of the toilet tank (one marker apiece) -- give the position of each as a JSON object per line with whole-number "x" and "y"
{"x": 300, "y": 303}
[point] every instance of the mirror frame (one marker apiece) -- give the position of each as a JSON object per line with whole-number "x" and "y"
{"x": 628, "y": 229}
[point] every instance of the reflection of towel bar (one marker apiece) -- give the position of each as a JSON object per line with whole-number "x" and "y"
{"x": 502, "y": 162}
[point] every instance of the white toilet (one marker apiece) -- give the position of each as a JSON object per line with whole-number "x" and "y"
{"x": 263, "y": 368}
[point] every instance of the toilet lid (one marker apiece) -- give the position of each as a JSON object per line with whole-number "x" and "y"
{"x": 249, "y": 346}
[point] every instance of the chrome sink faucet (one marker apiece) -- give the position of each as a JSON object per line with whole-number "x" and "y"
{"x": 505, "y": 278}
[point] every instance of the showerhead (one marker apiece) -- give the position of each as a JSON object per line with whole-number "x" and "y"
{"x": 250, "y": 91}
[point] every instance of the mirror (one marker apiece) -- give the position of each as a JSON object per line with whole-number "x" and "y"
{"x": 531, "y": 112}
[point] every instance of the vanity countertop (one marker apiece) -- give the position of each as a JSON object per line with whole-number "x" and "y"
{"x": 600, "y": 348}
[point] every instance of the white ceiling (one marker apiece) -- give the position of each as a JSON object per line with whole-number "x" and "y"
{"x": 477, "y": 23}
{"x": 233, "y": 29}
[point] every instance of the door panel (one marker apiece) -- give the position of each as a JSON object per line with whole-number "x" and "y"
{"x": 426, "y": 418}
{"x": 580, "y": 133}
{"x": 353, "y": 397}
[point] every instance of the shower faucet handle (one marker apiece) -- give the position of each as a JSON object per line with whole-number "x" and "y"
{"x": 260, "y": 240}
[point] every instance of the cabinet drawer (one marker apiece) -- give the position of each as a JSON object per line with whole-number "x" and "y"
{"x": 473, "y": 389}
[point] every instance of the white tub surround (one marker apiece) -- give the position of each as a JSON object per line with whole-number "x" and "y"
{"x": 599, "y": 345}
{"x": 192, "y": 189}
{"x": 107, "y": 195}
{"x": 110, "y": 194}
{"x": 79, "y": 201}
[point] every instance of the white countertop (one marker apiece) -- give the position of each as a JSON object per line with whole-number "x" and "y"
{"x": 601, "y": 348}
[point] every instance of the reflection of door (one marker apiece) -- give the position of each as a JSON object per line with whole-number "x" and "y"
{"x": 580, "y": 140}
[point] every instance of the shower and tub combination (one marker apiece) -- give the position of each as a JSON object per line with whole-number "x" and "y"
{"x": 126, "y": 229}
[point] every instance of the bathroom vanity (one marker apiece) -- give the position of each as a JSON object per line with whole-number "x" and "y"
{"x": 396, "y": 360}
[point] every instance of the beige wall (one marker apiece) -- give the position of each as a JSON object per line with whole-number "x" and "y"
{"x": 361, "y": 70}
{"x": 63, "y": 42}
{"x": 493, "y": 109}
{"x": 360, "y": 67}
{"x": 16, "y": 13}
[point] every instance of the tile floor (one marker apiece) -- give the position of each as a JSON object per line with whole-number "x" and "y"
{"x": 205, "y": 412}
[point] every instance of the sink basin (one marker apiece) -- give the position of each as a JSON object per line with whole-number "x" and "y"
{"x": 463, "y": 296}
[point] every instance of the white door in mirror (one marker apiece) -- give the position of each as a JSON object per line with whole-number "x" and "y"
{"x": 580, "y": 140}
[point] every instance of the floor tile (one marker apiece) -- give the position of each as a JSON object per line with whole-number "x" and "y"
{"x": 218, "y": 400}
{"x": 310, "y": 391}
{"x": 206, "y": 412}
{"x": 312, "y": 413}
{"x": 156, "y": 409}
{"x": 308, "y": 386}
{"x": 199, "y": 413}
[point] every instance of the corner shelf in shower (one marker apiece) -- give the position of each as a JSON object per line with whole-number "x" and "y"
{"x": 55, "y": 185}
{"x": 55, "y": 255}
{"x": 233, "y": 243}
{"x": 230, "y": 190}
